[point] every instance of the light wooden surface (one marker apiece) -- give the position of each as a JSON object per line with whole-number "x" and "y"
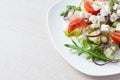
{"x": 26, "y": 52}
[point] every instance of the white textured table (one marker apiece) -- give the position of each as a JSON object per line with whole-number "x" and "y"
{"x": 26, "y": 52}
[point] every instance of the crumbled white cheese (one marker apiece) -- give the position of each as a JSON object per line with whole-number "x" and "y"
{"x": 101, "y": 18}
{"x": 116, "y": 6}
{"x": 118, "y": 27}
{"x": 118, "y": 12}
{"x": 96, "y": 7}
{"x": 105, "y": 10}
{"x": 113, "y": 17}
{"x": 98, "y": 23}
{"x": 84, "y": 14}
{"x": 93, "y": 18}
{"x": 102, "y": 3}
{"x": 105, "y": 28}
{"x": 94, "y": 26}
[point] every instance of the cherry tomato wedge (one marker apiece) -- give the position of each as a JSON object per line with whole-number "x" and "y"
{"x": 115, "y": 36}
{"x": 78, "y": 23}
{"x": 89, "y": 8}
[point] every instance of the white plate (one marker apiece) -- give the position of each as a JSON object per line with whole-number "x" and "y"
{"x": 56, "y": 26}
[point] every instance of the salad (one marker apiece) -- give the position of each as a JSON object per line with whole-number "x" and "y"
{"x": 94, "y": 29}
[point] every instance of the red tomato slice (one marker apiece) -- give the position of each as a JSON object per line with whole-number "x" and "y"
{"x": 78, "y": 23}
{"x": 117, "y": 33}
{"x": 89, "y": 8}
{"x": 115, "y": 36}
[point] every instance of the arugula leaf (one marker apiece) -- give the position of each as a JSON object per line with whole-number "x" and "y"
{"x": 71, "y": 46}
{"x": 70, "y": 8}
{"x": 64, "y": 13}
{"x": 94, "y": 54}
{"x": 80, "y": 53}
{"x": 74, "y": 43}
{"x": 88, "y": 57}
{"x": 73, "y": 8}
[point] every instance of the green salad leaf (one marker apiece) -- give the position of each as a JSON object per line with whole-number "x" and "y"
{"x": 96, "y": 54}
{"x": 71, "y": 8}
{"x": 111, "y": 4}
{"x": 76, "y": 33}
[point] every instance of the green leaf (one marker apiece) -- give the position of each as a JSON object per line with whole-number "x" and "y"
{"x": 97, "y": 54}
{"x": 74, "y": 43}
{"x": 70, "y": 8}
{"x": 71, "y": 46}
{"x": 85, "y": 43}
{"x": 67, "y": 33}
{"x": 101, "y": 57}
{"x": 78, "y": 9}
{"x": 64, "y": 13}
{"x": 80, "y": 53}
{"x": 73, "y": 8}
{"x": 75, "y": 33}
{"x": 111, "y": 4}
{"x": 114, "y": 24}
{"x": 89, "y": 57}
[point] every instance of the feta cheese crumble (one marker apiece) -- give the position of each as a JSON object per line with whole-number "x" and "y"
{"x": 96, "y": 7}
{"x": 93, "y": 18}
{"x": 101, "y": 18}
{"x": 113, "y": 17}
{"x": 105, "y": 28}
{"x": 105, "y": 10}
{"x": 116, "y": 6}
{"x": 84, "y": 14}
{"x": 118, "y": 27}
{"x": 93, "y": 26}
{"x": 118, "y": 12}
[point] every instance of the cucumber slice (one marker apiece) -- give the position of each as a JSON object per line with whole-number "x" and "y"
{"x": 115, "y": 23}
{"x": 96, "y": 40}
{"x": 110, "y": 51}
